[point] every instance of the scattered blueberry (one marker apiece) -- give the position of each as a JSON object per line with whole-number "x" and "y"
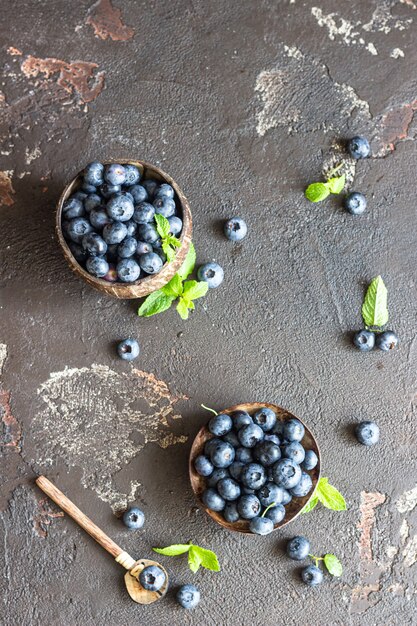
{"x": 152, "y": 578}
{"x": 386, "y": 341}
{"x": 358, "y": 147}
{"x": 97, "y": 266}
{"x": 128, "y": 349}
{"x": 212, "y": 274}
{"x": 261, "y": 525}
{"x": 355, "y": 203}
{"x": 212, "y": 500}
{"x": 235, "y": 229}
{"x": 312, "y": 575}
{"x": 367, "y": 433}
{"x": 188, "y": 596}
{"x": 364, "y": 340}
{"x": 131, "y": 229}
{"x": 203, "y": 465}
{"x": 250, "y": 435}
{"x": 310, "y": 460}
{"x": 287, "y": 473}
{"x": 298, "y": 548}
{"x": 143, "y": 248}
{"x": 128, "y": 270}
{"x": 134, "y": 518}
{"x": 220, "y": 424}
{"x": 248, "y": 506}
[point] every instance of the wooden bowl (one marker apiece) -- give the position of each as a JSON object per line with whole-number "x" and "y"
{"x": 147, "y": 285}
{"x": 198, "y": 483}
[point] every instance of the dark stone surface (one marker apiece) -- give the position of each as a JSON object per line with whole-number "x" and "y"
{"x": 244, "y": 104}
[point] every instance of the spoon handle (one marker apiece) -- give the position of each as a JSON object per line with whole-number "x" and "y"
{"x": 85, "y": 522}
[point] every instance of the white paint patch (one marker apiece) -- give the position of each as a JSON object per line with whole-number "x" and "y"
{"x": 410, "y": 552}
{"x": 391, "y": 551}
{"x": 32, "y": 155}
{"x": 3, "y": 356}
{"x": 371, "y": 48}
{"x": 98, "y": 420}
{"x": 382, "y": 20}
{"x": 404, "y": 531}
{"x": 337, "y": 26}
{"x": 407, "y": 501}
{"x": 396, "y": 53}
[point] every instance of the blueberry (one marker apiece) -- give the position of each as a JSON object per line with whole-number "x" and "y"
{"x": 164, "y": 206}
{"x": 109, "y": 190}
{"x": 133, "y": 518}
{"x": 131, "y": 230}
{"x": 294, "y": 451}
{"x": 248, "y": 491}
{"x": 217, "y": 474}
{"x": 86, "y": 188}
{"x": 93, "y": 174}
{"x": 286, "y": 497}
{"x": 147, "y": 233}
{"x": 240, "y": 419}
{"x": 230, "y": 513}
{"x": 211, "y": 444}
{"x": 152, "y": 578}
{"x": 127, "y": 248}
{"x": 367, "y": 433}
{"x": 151, "y": 263}
{"x": 222, "y": 454}
{"x": 293, "y": 430}
{"x": 151, "y": 186}
{"x": 244, "y": 455}
{"x": 212, "y": 274}
{"x": 364, "y": 340}
{"x": 358, "y": 147}
{"x": 274, "y": 438}
{"x": 304, "y": 486}
{"x": 312, "y": 575}
{"x": 310, "y": 460}
{"x": 73, "y": 207}
{"x": 235, "y": 229}
{"x": 203, "y": 465}
{"x": 138, "y": 193}
{"x": 128, "y": 349}
{"x": 276, "y": 514}
{"x": 355, "y": 203}
{"x": 248, "y": 506}
{"x": 188, "y": 596}
{"x": 232, "y": 439}
{"x": 120, "y": 207}
{"x": 114, "y": 174}
{"x": 92, "y": 201}
{"x": 128, "y": 270}
{"x": 94, "y": 244}
{"x": 220, "y": 424}
{"x": 267, "y": 453}
{"x": 386, "y": 341}
{"x": 270, "y": 493}
{"x": 212, "y": 500}
{"x": 111, "y": 275}
{"x": 298, "y": 548}
{"x": 78, "y": 252}
{"x": 143, "y": 248}
{"x": 98, "y": 218}
{"x": 144, "y": 213}
{"x": 132, "y": 174}
{"x": 77, "y": 228}
{"x": 265, "y": 419}
{"x": 253, "y": 476}
{"x": 278, "y": 428}
{"x": 80, "y": 195}
{"x": 286, "y": 473}
{"x": 165, "y": 190}
{"x": 175, "y": 225}
{"x": 114, "y": 232}
{"x": 261, "y": 526}
{"x": 235, "y": 469}
{"x": 250, "y": 435}
{"x": 228, "y": 489}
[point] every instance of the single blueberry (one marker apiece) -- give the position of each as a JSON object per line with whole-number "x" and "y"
{"x": 97, "y": 266}
{"x": 150, "y": 263}
{"x": 261, "y": 526}
{"x": 73, "y": 207}
{"x": 120, "y": 207}
{"x": 147, "y": 233}
{"x": 265, "y": 419}
{"x": 211, "y": 444}
{"x": 293, "y": 430}
{"x": 250, "y": 435}
{"x": 304, "y": 486}
{"x": 278, "y": 428}
{"x": 248, "y": 491}
{"x": 298, "y": 548}
{"x": 235, "y": 229}
{"x": 93, "y": 174}
{"x": 86, "y": 188}
{"x": 228, "y": 489}
{"x": 386, "y": 341}
{"x": 232, "y": 439}
{"x": 294, "y": 451}
{"x": 80, "y": 195}
{"x": 274, "y": 438}
{"x": 364, "y": 340}
{"x": 128, "y": 270}
{"x": 77, "y": 228}
{"x": 151, "y": 186}
{"x": 358, "y": 147}
{"x": 175, "y": 225}
{"x": 240, "y": 419}
{"x": 114, "y": 174}
{"x": 94, "y": 244}
{"x": 248, "y": 506}
{"x": 253, "y": 476}
{"x": 134, "y": 518}
{"x": 286, "y": 497}
{"x": 267, "y": 453}
{"x": 310, "y": 460}
{"x": 211, "y": 273}
{"x": 312, "y": 575}
{"x": 235, "y": 469}
{"x": 164, "y": 206}
{"x": 220, "y": 424}
{"x": 367, "y": 433}
{"x": 286, "y": 473}
{"x": 78, "y": 252}
{"x": 355, "y": 203}
{"x": 143, "y": 248}
{"x": 188, "y": 596}
{"x": 217, "y": 474}
{"x": 230, "y": 513}
{"x": 203, "y": 465}
{"x": 138, "y": 193}
{"x": 222, "y": 454}
{"x": 270, "y": 493}
{"x": 276, "y": 513}
{"x": 131, "y": 228}
{"x": 127, "y": 248}
{"x": 128, "y": 349}
{"x": 92, "y": 201}
{"x": 152, "y": 578}
{"x": 114, "y": 232}
{"x": 132, "y": 174}
{"x": 212, "y": 500}
{"x": 165, "y": 190}
{"x": 244, "y": 455}
{"x": 98, "y": 218}
{"x": 107, "y": 190}
{"x": 144, "y": 213}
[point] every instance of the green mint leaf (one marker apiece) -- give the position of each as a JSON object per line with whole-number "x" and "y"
{"x": 335, "y": 185}
{"x": 190, "y": 304}
{"x": 173, "y": 241}
{"x": 194, "y": 289}
{"x": 208, "y": 558}
{"x": 329, "y": 496}
{"x": 333, "y": 565}
{"x": 316, "y": 192}
{"x": 194, "y": 559}
{"x": 182, "y": 308}
{"x": 156, "y": 302}
{"x": 374, "y": 308}
{"x": 174, "y": 550}
{"x": 310, "y": 505}
{"x": 174, "y": 287}
{"x": 189, "y": 263}
{"x": 170, "y": 254}
{"x": 162, "y": 225}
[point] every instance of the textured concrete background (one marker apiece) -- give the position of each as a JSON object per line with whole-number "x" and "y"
{"x": 244, "y": 104}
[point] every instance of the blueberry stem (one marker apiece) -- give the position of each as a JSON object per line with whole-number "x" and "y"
{"x": 334, "y": 170}
{"x": 209, "y": 409}
{"x": 268, "y": 507}
{"x": 316, "y": 559}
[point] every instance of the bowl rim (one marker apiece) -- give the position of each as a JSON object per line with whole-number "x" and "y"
{"x": 198, "y": 482}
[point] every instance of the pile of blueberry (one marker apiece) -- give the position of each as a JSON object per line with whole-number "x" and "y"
{"x": 254, "y": 466}
{"x": 109, "y": 222}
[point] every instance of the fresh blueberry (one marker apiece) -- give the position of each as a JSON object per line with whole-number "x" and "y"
{"x": 278, "y": 429}
{"x": 143, "y": 248}
{"x": 151, "y": 186}
{"x": 364, "y": 340}
{"x": 261, "y": 526}
{"x": 175, "y": 225}
{"x": 211, "y": 444}
{"x": 250, "y": 435}
{"x": 228, "y": 489}
{"x": 111, "y": 275}
{"x": 367, "y": 433}
{"x": 92, "y": 201}
{"x": 235, "y": 229}
{"x": 304, "y": 486}
{"x": 253, "y": 476}
{"x": 78, "y": 252}
{"x": 114, "y": 174}
{"x": 128, "y": 270}
{"x": 144, "y": 213}
{"x": 80, "y": 195}
{"x": 203, "y": 465}
{"x": 114, "y": 232}
{"x": 286, "y": 497}
{"x": 298, "y": 548}
{"x": 276, "y": 513}
{"x": 98, "y": 218}
{"x": 294, "y": 451}
{"x": 358, "y": 147}
{"x": 151, "y": 263}
{"x": 235, "y": 469}
{"x": 132, "y": 174}
{"x": 286, "y": 473}
{"x": 265, "y": 419}
{"x": 120, "y": 207}
{"x": 248, "y": 491}
{"x": 73, "y": 207}
{"x": 86, "y": 188}
{"x": 164, "y": 190}
{"x": 270, "y": 493}
{"x": 267, "y": 453}
{"x": 212, "y": 500}
{"x": 310, "y": 460}
{"x": 232, "y": 439}
{"x": 230, "y": 513}
{"x": 222, "y": 454}
{"x": 355, "y": 203}
{"x": 128, "y": 349}
{"x": 248, "y": 506}
{"x": 107, "y": 190}
{"x": 131, "y": 230}
{"x": 293, "y": 430}
{"x": 164, "y": 206}
{"x": 274, "y": 438}
{"x": 127, "y": 248}
{"x": 77, "y": 228}
{"x": 241, "y": 419}
{"x": 93, "y": 174}
{"x": 212, "y": 274}
{"x": 218, "y": 474}
{"x": 244, "y": 455}
{"x": 188, "y": 596}
{"x": 220, "y": 424}
{"x": 312, "y": 575}
{"x": 152, "y": 578}
{"x": 94, "y": 244}
{"x": 134, "y": 518}
{"x": 147, "y": 233}
{"x": 386, "y": 341}
{"x": 138, "y": 193}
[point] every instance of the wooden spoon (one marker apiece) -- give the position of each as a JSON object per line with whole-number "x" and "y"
{"x": 135, "y": 589}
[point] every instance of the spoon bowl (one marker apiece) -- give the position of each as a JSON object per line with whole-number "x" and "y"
{"x": 135, "y": 589}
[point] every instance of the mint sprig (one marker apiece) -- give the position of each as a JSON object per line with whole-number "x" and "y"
{"x": 331, "y": 562}
{"x": 375, "y": 308}
{"x": 169, "y": 242}
{"x": 327, "y": 495}
{"x": 316, "y": 192}
{"x": 196, "y": 556}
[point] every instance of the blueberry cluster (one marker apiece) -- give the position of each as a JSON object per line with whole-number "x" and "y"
{"x": 365, "y": 340}
{"x": 109, "y": 223}
{"x": 254, "y": 466}
{"x": 298, "y": 549}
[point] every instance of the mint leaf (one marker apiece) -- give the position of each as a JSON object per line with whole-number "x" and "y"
{"x": 194, "y": 289}
{"x": 189, "y": 263}
{"x": 156, "y": 302}
{"x": 208, "y": 558}
{"x": 310, "y": 505}
{"x": 333, "y": 565}
{"x": 316, "y": 192}
{"x": 329, "y": 496}
{"x": 335, "y": 185}
{"x": 174, "y": 287}
{"x": 173, "y": 241}
{"x": 162, "y": 225}
{"x": 194, "y": 559}
{"x": 374, "y": 308}
{"x": 174, "y": 550}
{"x": 182, "y": 309}
{"x": 170, "y": 254}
